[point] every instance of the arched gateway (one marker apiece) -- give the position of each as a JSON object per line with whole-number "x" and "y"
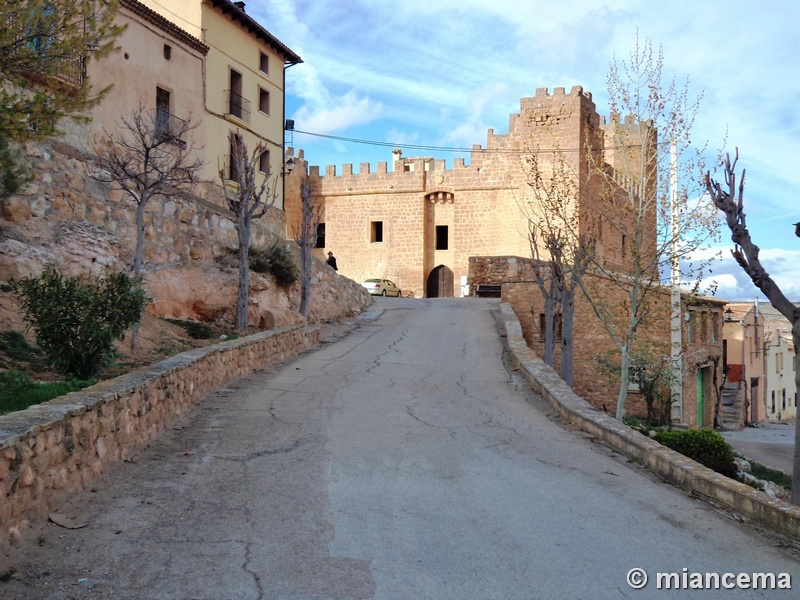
{"x": 440, "y": 283}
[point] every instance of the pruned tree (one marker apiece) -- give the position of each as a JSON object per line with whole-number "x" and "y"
{"x": 248, "y": 200}
{"x": 729, "y": 199}
{"x": 306, "y": 238}
{"x": 652, "y": 376}
{"x": 641, "y": 225}
{"x": 44, "y": 46}
{"x": 559, "y": 249}
{"x": 151, "y": 155}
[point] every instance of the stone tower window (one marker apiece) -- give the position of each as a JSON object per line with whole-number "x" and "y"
{"x": 441, "y": 237}
{"x": 376, "y": 232}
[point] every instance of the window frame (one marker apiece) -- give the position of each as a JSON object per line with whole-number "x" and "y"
{"x": 263, "y": 62}
{"x": 262, "y": 94}
{"x": 376, "y": 232}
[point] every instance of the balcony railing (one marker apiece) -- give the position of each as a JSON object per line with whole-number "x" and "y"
{"x": 238, "y": 106}
{"x": 170, "y": 128}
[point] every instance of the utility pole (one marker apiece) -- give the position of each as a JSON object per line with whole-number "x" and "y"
{"x": 676, "y": 324}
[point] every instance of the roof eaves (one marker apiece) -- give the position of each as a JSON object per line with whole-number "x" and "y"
{"x": 226, "y": 7}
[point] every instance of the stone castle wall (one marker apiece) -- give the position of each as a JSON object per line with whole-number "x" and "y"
{"x": 482, "y": 204}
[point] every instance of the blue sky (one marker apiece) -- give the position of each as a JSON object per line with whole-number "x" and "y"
{"x": 440, "y": 73}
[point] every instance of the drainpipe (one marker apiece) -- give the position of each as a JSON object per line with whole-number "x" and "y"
{"x": 283, "y": 141}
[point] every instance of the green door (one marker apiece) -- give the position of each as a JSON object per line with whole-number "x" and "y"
{"x": 699, "y": 398}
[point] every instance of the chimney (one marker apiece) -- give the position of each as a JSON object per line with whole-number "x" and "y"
{"x": 239, "y": 5}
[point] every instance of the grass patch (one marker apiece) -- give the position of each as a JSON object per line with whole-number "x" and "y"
{"x": 18, "y": 391}
{"x": 766, "y": 474}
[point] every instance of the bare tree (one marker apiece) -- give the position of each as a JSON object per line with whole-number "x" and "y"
{"x": 249, "y": 201}
{"x": 306, "y": 238}
{"x": 554, "y": 224}
{"x": 636, "y": 222}
{"x": 152, "y": 155}
{"x": 729, "y": 199}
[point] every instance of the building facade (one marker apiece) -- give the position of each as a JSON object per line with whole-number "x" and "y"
{"x": 244, "y": 85}
{"x": 761, "y": 360}
{"x": 781, "y": 389}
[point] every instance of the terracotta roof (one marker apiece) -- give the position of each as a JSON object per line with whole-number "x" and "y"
{"x": 249, "y": 24}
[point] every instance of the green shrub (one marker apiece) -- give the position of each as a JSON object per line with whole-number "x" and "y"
{"x": 195, "y": 329}
{"x": 77, "y": 321}
{"x": 277, "y": 260}
{"x": 14, "y": 344}
{"x": 703, "y": 445}
{"x": 18, "y": 391}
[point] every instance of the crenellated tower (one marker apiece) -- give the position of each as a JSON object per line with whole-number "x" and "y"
{"x": 416, "y": 221}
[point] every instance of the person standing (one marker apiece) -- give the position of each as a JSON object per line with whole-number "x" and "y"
{"x": 331, "y": 261}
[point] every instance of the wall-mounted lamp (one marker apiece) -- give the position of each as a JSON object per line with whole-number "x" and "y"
{"x": 729, "y": 315}
{"x": 288, "y": 166}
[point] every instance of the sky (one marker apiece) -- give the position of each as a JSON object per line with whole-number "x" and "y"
{"x": 441, "y": 73}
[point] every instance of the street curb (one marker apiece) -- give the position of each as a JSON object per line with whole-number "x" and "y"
{"x": 746, "y": 502}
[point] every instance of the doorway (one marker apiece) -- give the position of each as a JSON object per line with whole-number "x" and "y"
{"x": 440, "y": 283}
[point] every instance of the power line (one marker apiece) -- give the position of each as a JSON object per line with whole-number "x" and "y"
{"x": 430, "y": 148}
{"x": 339, "y": 138}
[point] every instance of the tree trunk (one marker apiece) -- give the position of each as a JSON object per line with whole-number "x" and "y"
{"x": 796, "y": 467}
{"x": 137, "y": 263}
{"x": 567, "y": 314}
{"x": 242, "y": 299}
{"x": 624, "y": 378}
{"x": 305, "y": 282}
{"x": 549, "y": 328}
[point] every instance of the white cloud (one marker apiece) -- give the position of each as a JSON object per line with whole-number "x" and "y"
{"x": 336, "y": 114}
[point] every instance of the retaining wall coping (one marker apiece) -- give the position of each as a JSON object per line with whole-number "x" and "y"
{"x": 18, "y": 425}
{"x": 689, "y": 475}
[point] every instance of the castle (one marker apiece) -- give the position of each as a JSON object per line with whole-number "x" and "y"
{"x": 419, "y": 222}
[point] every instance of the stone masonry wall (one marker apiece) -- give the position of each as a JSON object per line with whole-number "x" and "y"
{"x": 180, "y": 230}
{"x": 50, "y": 450}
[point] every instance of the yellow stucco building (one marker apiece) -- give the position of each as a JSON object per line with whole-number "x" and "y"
{"x": 244, "y": 82}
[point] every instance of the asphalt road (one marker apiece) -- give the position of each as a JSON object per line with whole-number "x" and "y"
{"x": 402, "y": 461}
{"x": 771, "y": 444}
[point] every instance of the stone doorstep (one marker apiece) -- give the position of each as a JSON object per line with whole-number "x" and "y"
{"x": 750, "y": 504}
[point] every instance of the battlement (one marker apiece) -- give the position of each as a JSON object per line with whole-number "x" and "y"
{"x": 627, "y": 122}
{"x": 402, "y": 166}
{"x": 545, "y": 111}
{"x": 559, "y": 97}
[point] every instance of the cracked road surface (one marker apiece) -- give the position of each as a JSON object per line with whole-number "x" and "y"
{"x": 402, "y": 461}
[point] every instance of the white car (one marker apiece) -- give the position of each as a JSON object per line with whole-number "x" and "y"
{"x": 382, "y": 287}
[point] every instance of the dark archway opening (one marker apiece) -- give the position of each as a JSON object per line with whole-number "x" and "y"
{"x": 440, "y": 283}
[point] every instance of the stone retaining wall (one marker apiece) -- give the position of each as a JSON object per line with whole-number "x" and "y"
{"x": 750, "y": 504}
{"x": 53, "y": 449}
